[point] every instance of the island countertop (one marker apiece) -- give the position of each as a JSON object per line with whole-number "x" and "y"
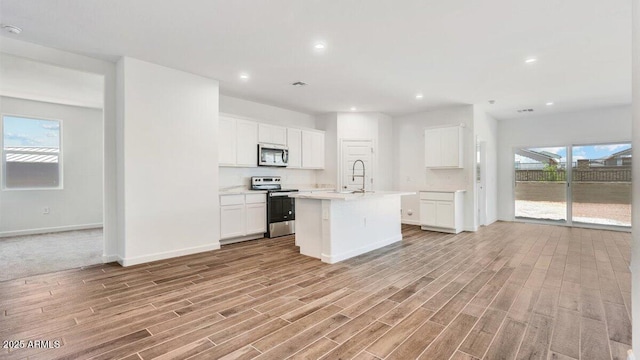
{"x": 331, "y": 195}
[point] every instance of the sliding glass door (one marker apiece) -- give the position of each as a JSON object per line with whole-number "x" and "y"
{"x": 601, "y": 184}
{"x": 541, "y": 184}
{"x": 581, "y": 184}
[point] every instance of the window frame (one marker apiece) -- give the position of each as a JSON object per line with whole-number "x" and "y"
{"x": 3, "y": 178}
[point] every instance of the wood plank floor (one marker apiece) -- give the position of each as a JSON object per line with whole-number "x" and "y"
{"x": 508, "y": 291}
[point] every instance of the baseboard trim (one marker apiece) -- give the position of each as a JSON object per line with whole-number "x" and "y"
{"x": 410, "y": 222}
{"x": 166, "y": 254}
{"x": 49, "y": 230}
{"x": 110, "y": 258}
{"x": 332, "y": 259}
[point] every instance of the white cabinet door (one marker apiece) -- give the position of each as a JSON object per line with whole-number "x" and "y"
{"x": 232, "y": 221}
{"x": 443, "y": 148}
{"x": 428, "y": 214}
{"x": 247, "y": 143}
{"x": 445, "y": 215}
{"x": 294, "y": 143}
{"x": 450, "y": 147}
{"x": 272, "y": 134}
{"x": 432, "y": 156}
{"x": 226, "y": 141}
{"x": 312, "y": 149}
{"x": 256, "y": 218}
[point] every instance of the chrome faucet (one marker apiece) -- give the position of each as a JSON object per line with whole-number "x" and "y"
{"x": 354, "y": 176}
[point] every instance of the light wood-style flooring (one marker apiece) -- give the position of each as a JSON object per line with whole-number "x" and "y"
{"x": 508, "y": 291}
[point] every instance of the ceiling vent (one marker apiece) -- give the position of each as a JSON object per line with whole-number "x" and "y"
{"x": 525, "y": 110}
{"x": 299, "y": 83}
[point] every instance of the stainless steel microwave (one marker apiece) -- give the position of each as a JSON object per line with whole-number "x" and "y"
{"x": 272, "y": 155}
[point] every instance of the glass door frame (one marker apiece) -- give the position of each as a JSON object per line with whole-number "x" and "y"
{"x": 565, "y": 222}
{"x": 569, "y": 193}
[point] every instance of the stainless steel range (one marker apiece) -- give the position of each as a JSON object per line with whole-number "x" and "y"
{"x": 281, "y": 209}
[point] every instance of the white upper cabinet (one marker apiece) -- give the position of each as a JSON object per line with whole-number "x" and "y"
{"x": 294, "y": 143}
{"x": 247, "y": 143}
{"x": 237, "y": 142}
{"x": 312, "y": 149}
{"x": 443, "y": 147}
{"x": 227, "y": 141}
{"x": 272, "y": 134}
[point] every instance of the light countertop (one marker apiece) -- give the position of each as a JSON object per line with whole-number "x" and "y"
{"x": 330, "y": 195}
{"x": 444, "y": 190}
{"x": 241, "y": 192}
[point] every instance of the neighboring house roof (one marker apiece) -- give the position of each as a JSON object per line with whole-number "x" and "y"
{"x": 31, "y": 154}
{"x": 543, "y": 157}
{"x": 623, "y": 153}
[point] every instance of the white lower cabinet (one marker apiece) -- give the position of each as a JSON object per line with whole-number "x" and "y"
{"x": 243, "y": 216}
{"x": 442, "y": 211}
{"x": 232, "y": 221}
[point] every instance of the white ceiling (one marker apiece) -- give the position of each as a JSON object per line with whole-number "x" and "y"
{"x": 379, "y": 53}
{"x": 26, "y": 79}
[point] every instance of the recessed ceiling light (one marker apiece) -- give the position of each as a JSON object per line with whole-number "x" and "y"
{"x": 549, "y": 103}
{"x": 353, "y": 108}
{"x": 492, "y": 102}
{"x": 530, "y": 60}
{"x": 244, "y": 76}
{"x": 419, "y": 96}
{"x": 319, "y": 46}
{"x": 12, "y": 29}
{"x": 299, "y": 83}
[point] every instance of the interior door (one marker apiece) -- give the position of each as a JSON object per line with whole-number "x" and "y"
{"x": 352, "y": 170}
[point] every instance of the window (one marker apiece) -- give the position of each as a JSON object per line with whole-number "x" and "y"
{"x": 31, "y": 153}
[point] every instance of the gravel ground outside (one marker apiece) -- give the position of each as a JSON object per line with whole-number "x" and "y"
{"x": 603, "y": 214}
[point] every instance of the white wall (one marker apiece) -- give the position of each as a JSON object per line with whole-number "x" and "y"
{"x": 170, "y": 151}
{"x": 635, "y": 240}
{"x": 108, "y": 71}
{"x": 266, "y": 113}
{"x": 292, "y": 178}
{"x": 410, "y": 173}
{"x": 370, "y": 126}
{"x": 589, "y": 127}
{"x": 486, "y": 130}
{"x": 79, "y": 204}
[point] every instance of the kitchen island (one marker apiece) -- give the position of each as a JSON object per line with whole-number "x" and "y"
{"x": 335, "y": 226}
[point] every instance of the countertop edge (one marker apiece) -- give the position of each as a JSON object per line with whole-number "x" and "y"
{"x": 349, "y": 197}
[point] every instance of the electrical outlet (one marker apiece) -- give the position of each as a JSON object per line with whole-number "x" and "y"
{"x": 46, "y": 210}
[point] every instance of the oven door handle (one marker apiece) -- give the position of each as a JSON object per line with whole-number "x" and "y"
{"x": 281, "y": 194}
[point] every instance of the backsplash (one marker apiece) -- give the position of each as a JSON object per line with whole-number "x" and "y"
{"x": 230, "y": 177}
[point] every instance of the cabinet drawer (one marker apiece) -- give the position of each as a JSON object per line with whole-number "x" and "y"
{"x": 255, "y": 198}
{"x": 428, "y": 195}
{"x": 231, "y": 200}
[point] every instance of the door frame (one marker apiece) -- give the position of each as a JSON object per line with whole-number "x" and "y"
{"x": 569, "y": 193}
{"x": 481, "y": 186}
{"x": 340, "y": 171}
{"x": 566, "y": 222}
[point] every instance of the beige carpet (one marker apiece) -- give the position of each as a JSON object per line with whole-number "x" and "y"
{"x": 22, "y": 256}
